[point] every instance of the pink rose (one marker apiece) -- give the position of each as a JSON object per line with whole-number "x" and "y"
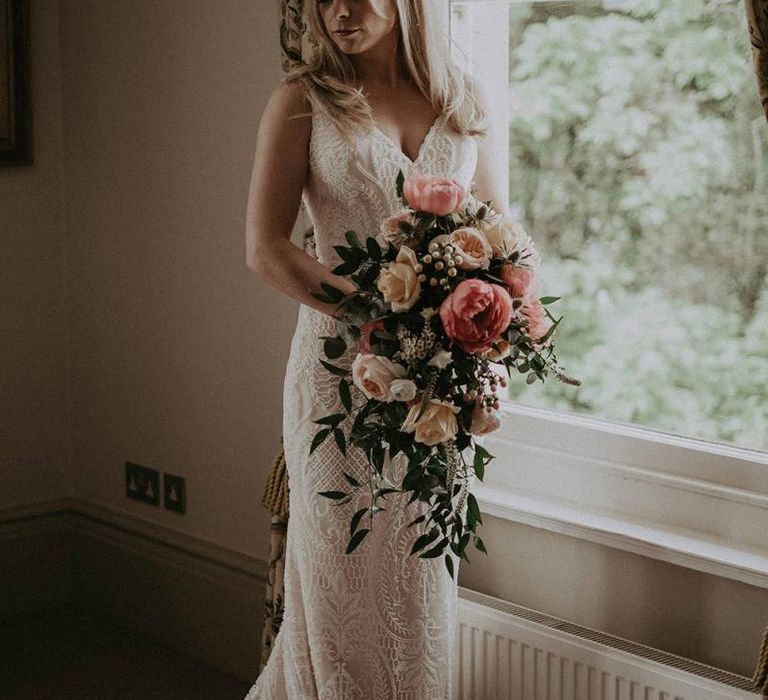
{"x": 436, "y": 195}
{"x": 475, "y": 313}
{"x": 520, "y": 281}
{"x": 365, "y": 335}
{"x": 538, "y": 321}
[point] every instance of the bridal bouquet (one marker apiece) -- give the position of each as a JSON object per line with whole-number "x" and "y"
{"x": 446, "y": 289}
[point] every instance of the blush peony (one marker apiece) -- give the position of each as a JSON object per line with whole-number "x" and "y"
{"x": 473, "y": 247}
{"x": 484, "y": 420}
{"x": 475, "y": 314}
{"x": 390, "y": 227}
{"x": 436, "y": 195}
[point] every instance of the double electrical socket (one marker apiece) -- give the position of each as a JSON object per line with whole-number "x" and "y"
{"x": 143, "y": 484}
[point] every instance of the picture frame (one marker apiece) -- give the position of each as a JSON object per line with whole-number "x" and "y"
{"x": 15, "y": 84}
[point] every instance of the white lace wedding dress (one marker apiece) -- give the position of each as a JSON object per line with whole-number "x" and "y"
{"x": 379, "y": 623}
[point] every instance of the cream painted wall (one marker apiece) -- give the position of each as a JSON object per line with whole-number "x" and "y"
{"x": 179, "y": 350}
{"x": 34, "y": 429}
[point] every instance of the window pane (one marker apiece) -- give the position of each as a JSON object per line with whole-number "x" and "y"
{"x": 638, "y": 162}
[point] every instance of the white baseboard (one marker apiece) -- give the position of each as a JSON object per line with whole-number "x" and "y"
{"x": 191, "y": 595}
{"x": 206, "y": 601}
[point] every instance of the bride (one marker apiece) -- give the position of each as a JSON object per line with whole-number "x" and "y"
{"x": 380, "y": 96}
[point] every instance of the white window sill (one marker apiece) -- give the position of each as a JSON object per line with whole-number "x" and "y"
{"x": 687, "y": 502}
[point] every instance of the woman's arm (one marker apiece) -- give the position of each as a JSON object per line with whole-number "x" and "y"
{"x": 280, "y": 168}
{"x": 489, "y": 176}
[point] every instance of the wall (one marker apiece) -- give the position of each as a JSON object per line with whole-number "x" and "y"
{"x": 172, "y": 367}
{"x": 34, "y": 415}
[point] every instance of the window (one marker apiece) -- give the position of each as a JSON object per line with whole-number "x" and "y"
{"x": 638, "y": 160}
{"x": 637, "y": 156}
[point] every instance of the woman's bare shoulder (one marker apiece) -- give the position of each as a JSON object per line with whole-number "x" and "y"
{"x": 290, "y": 98}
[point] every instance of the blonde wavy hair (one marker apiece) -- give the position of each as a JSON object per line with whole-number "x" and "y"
{"x": 328, "y": 75}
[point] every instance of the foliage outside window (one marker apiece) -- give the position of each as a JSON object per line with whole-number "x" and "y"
{"x": 639, "y": 164}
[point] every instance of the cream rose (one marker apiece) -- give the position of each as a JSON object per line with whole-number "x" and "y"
{"x": 399, "y": 282}
{"x": 374, "y": 374}
{"x": 402, "y": 389}
{"x": 437, "y": 424}
{"x": 484, "y": 420}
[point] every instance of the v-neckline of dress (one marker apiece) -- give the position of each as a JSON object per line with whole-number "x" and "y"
{"x": 432, "y": 129}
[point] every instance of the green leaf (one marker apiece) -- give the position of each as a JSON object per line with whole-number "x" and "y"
{"x": 319, "y": 437}
{"x": 356, "y": 520}
{"x": 351, "y": 479}
{"x": 449, "y": 564}
{"x": 374, "y": 249}
{"x": 334, "y": 293}
{"x": 345, "y": 268}
{"x": 479, "y": 465}
{"x": 340, "y": 440}
{"x": 334, "y": 419}
{"x": 352, "y": 239}
{"x": 336, "y": 495}
{"x": 346, "y": 397}
{"x": 474, "y": 508}
{"x": 334, "y": 347}
{"x": 357, "y": 538}
{"x": 399, "y": 184}
{"x": 480, "y": 545}
{"x": 424, "y": 540}
{"x": 531, "y": 378}
{"x": 322, "y": 297}
{"x": 334, "y": 370}
{"x": 479, "y": 449}
{"x": 436, "y": 551}
{"x": 420, "y": 519}
{"x": 548, "y": 300}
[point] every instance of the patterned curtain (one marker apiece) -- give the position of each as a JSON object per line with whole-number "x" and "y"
{"x": 296, "y": 43}
{"x": 757, "y": 21}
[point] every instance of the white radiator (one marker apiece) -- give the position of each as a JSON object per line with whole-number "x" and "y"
{"x": 509, "y": 652}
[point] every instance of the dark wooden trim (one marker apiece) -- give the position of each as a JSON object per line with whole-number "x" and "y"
{"x": 18, "y": 149}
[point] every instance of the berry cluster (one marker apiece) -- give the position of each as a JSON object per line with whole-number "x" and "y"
{"x": 489, "y": 385}
{"x": 442, "y": 259}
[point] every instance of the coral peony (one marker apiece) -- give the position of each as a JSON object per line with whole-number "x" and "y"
{"x": 475, "y": 314}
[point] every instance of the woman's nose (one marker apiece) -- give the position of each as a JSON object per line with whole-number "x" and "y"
{"x": 343, "y": 9}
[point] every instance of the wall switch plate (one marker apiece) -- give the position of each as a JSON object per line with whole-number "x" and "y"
{"x": 174, "y": 493}
{"x": 142, "y": 483}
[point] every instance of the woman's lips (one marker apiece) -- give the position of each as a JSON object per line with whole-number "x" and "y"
{"x": 346, "y": 33}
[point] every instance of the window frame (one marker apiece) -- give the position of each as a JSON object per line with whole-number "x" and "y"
{"x": 691, "y": 502}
